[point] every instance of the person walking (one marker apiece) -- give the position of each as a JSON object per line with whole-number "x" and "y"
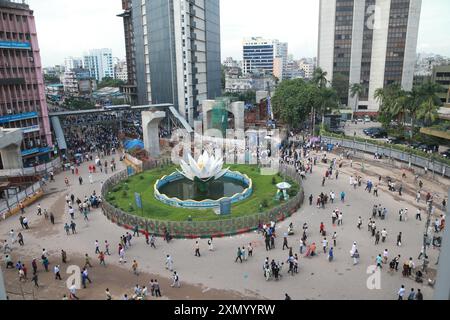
{"x": 20, "y": 239}
{"x": 401, "y": 292}
{"x": 34, "y": 266}
{"x": 324, "y": 245}
{"x": 101, "y": 258}
{"x": 197, "y": 249}
{"x": 210, "y": 244}
{"x": 157, "y": 288}
{"x": 84, "y": 277}
{"x": 152, "y": 241}
{"x": 360, "y": 222}
{"x": 385, "y": 256}
{"x": 73, "y": 292}
{"x": 107, "y": 248}
{"x": 108, "y": 294}
{"x": 134, "y": 267}
{"x": 56, "y": 271}
{"x": 399, "y": 239}
{"x": 377, "y": 238}
{"x": 97, "y": 247}
{"x": 383, "y": 235}
{"x": 169, "y": 263}
{"x": 285, "y": 241}
{"x": 334, "y": 238}
{"x": 176, "y": 280}
{"x": 250, "y": 250}
{"x": 52, "y": 218}
{"x": 63, "y": 256}
{"x": 419, "y": 295}
{"x": 379, "y": 261}
{"x": 35, "y": 280}
{"x": 419, "y": 215}
{"x": 238, "y": 255}
{"x": 412, "y": 295}
{"x": 87, "y": 261}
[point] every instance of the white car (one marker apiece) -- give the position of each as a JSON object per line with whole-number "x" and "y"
{"x": 367, "y": 119}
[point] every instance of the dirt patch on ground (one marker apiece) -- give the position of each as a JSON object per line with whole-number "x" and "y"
{"x": 119, "y": 281}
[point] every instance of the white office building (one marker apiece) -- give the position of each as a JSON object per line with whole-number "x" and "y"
{"x": 371, "y": 42}
{"x": 99, "y": 62}
{"x": 73, "y": 63}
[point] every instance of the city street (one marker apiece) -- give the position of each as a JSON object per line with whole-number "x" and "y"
{"x": 215, "y": 273}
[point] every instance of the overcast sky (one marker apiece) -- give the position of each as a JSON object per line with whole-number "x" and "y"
{"x": 68, "y": 28}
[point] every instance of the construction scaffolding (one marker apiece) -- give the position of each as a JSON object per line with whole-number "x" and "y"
{"x": 219, "y": 115}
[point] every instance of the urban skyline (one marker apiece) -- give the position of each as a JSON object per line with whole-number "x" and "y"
{"x": 235, "y": 26}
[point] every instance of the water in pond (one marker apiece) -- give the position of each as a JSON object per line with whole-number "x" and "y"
{"x": 185, "y": 189}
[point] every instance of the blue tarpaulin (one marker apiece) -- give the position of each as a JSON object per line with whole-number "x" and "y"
{"x": 134, "y": 144}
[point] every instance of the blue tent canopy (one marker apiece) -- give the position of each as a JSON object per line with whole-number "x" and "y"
{"x": 134, "y": 144}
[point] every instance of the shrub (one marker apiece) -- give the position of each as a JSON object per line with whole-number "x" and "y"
{"x": 141, "y": 177}
{"x": 274, "y": 180}
{"x": 265, "y": 203}
{"x": 117, "y": 189}
{"x": 125, "y": 193}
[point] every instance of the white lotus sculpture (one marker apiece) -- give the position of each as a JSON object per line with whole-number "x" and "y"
{"x": 204, "y": 169}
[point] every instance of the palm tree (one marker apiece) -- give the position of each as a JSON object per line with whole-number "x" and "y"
{"x": 429, "y": 102}
{"x": 320, "y": 78}
{"x": 412, "y": 107}
{"x": 355, "y": 92}
{"x": 327, "y": 102}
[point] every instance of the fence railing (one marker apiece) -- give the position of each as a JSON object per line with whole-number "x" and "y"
{"x": 411, "y": 159}
{"x": 37, "y": 170}
{"x": 201, "y": 229}
{"x": 14, "y": 201}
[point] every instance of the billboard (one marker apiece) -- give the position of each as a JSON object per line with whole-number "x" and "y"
{"x": 15, "y": 45}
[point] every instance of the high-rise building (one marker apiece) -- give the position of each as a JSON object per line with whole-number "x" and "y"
{"x": 259, "y": 56}
{"x": 22, "y": 92}
{"x": 176, "y": 45}
{"x": 441, "y": 76}
{"x": 73, "y": 63}
{"x": 99, "y": 62}
{"x": 369, "y": 42}
{"x": 130, "y": 88}
{"x": 120, "y": 71}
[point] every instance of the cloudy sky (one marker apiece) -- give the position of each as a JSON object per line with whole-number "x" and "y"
{"x": 68, "y": 28}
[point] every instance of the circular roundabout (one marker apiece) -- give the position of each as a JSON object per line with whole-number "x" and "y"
{"x": 187, "y": 202}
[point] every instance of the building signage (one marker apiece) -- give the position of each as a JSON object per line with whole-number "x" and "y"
{"x": 31, "y": 129}
{"x": 15, "y": 45}
{"x": 17, "y": 117}
{"x": 36, "y": 150}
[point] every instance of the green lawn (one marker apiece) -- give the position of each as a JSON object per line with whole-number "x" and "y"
{"x": 122, "y": 196}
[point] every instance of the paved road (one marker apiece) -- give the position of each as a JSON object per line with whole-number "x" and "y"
{"x": 318, "y": 278}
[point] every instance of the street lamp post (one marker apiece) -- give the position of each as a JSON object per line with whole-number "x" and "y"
{"x": 425, "y": 238}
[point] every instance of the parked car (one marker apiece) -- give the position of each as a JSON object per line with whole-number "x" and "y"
{"x": 396, "y": 140}
{"x": 446, "y": 154}
{"x": 428, "y": 147}
{"x": 379, "y": 134}
{"x": 370, "y": 131}
{"x": 367, "y": 119}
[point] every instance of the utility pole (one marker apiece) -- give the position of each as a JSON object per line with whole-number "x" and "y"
{"x": 2, "y": 287}
{"x": 425, "y": 237}
{"x": 442, "y": 290}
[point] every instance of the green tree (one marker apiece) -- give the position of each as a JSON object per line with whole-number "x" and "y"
{"x": 320, "y": 78}
{"x": 340, "y": 83}
{"x": 327, "y": 102}
{"x": 356, "y": 90}
{"x": 429, "y": 102}
{"x": 49, "y": 79}
{"x": 110, "y": 82}
{"x": 293, "y": 100}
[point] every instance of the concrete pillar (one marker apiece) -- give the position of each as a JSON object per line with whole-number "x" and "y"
{"x": 2, "y": 286}
{"x": 11, "y": 157}
{"x": 238, "y": 110}
{"x": 150, "y": 128}
{"x": 10, "y": 141}
{"x": 442, "y": 289}
{"x": 207, "y": 106}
